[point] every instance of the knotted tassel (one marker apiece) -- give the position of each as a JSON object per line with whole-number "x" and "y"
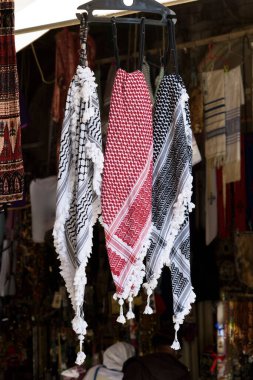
{"x": 81, "y": 355}
{"x": 130, "y": 313}
{"x": 176, "y": 344}
{"x": 148, "y": 308}
{"x": 121, "y": 318}
{"x": 79, "y": 325}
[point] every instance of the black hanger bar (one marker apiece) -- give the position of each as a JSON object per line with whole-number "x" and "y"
{"x": 147, "y": 6}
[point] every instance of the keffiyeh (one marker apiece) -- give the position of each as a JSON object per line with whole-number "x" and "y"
{"x": 78, "y": 190}
{"x": 171, "y": 197}
{"x": 127, "y": 184}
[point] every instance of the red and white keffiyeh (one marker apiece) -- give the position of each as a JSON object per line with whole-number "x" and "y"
{"x": 127, "y": 184}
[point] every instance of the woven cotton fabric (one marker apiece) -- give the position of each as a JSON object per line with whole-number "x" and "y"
{"x": 171, "y": 197}
{"x": 127, "y": 181}
{"x": 78, "y": 189}
{"x": 214, "y": 116}
{"x": 11, "y": 162}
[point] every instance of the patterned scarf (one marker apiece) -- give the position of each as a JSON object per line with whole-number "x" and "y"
{"x": 11, "y": 163}
{"x": 78, "y": 191}
{"x": 127, "y": 184}
{"x": 171, "y": 198}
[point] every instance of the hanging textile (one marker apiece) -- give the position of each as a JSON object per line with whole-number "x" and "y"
{"x": 249, "y": 179}
{"x": 67, "y": 46}
{"x": 240, "y": 198}
{"x": 43, "y": 202}
{"x": 127, "y": 182}
{"x": 79, "y": 181}
{"x": 66, "y": 61}
{"x": 11, "y": 163}
{"x": 146, "y": 72}
{"x": 215, "y": 143}
{"x": 232, "y": 216}
{"x": 197, "y": 111}
{"x": 196, "y": 156}
{"x": 224, "y": 213}
{"x": 214, "y": 116}
{"x": 211, "y": 216}
{"x": 171, "y": 197}
{"x": 234, "y": 98}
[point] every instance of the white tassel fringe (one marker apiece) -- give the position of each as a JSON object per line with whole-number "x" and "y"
{"x": 130, "y": 313}
{"x": 148, "y": 308}
{"x": 121, "y": 318}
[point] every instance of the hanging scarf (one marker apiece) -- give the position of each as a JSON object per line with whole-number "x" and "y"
{"x": 78, "y": 190}
{"x": 214, "y": 115}
{"x": 234, "y": 98}
{"x": 127, "y": 183}
{"x": 171, "y": 198}
{"x": 11, "y": 163}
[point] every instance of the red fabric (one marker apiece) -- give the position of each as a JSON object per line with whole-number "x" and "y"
{"x": 233, "y": 216}
{"x": 127, "y": 178}
{"x": 11, "y": 163}
{"x": 240, "y": 201}
{"x": 224, "y": 213}
{"x": 67, "y": 57}
{"x": 66, "y": 60}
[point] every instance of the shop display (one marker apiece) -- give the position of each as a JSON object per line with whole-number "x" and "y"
{"x": 140, "y": 257}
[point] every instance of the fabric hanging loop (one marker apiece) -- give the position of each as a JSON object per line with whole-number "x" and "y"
{"x": 171, "y": 51}
{"x": 142, "y": 42}
{"x": 83, "y": 61}
{"x": 115, "y": 42}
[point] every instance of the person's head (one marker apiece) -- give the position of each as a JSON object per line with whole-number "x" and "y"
{"x": 116, "y": 355}
{"x": 163, "y": 340}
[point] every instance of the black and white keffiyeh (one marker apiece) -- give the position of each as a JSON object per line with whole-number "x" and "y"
{"x": 171, "y": 198}
{"x": 78, "y": 190}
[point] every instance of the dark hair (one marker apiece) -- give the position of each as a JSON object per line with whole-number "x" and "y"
{"x": 164, "y": 337}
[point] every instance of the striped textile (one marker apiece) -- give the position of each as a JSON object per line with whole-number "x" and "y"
{"x": 127, "y": 183}
{"x": 234, "y": 98}
{"x": 214, "y": 116}
{"x": 11, "y": 163}
{"x": 215, "y": 143}
{"x": 171, "y": 196}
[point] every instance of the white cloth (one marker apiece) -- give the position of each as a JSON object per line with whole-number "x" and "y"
{"x": 113, "y": 360}
{"x": 215, "y": 143}
{"x": 196, "y": 156}
{"x": 214, "y": 115}
{"x": 43, "y": 203}
{"x": 234, "y": 98}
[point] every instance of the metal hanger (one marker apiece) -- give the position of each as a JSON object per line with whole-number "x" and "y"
{"x": 147, "y": 6}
